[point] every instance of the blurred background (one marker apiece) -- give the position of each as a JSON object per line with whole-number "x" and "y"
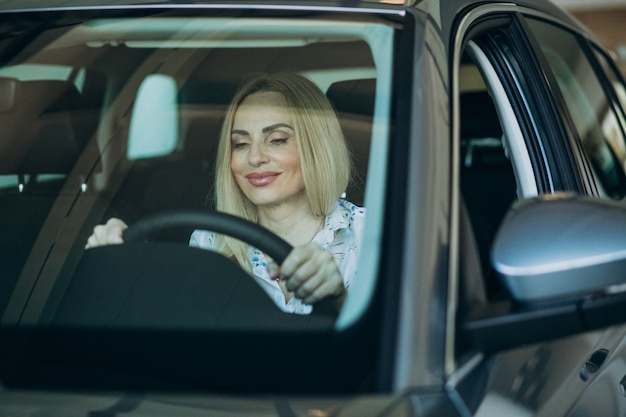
{"x": 606, "y": 19}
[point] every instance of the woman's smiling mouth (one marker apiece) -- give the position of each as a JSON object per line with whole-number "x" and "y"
{"x": 259, "y": 179}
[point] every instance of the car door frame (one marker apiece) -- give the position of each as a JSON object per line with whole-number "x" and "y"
{"x": 576, "y": 168}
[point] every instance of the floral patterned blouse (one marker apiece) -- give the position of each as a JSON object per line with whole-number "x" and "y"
{"x": 341, "y": 236}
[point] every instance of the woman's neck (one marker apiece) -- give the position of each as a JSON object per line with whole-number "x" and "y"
{"x": 297, "y": 225}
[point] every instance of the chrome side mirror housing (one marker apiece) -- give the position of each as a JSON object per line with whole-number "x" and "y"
{"x": 562, "y": 247}
{"x": 562, "y": 259}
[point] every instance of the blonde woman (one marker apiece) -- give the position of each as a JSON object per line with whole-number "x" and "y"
{"x": 283, "y": 163}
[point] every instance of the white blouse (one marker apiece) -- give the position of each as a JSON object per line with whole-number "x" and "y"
{"x": 341, "y": 236}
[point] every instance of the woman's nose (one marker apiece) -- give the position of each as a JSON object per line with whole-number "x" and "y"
{"x": 258, "y": 155}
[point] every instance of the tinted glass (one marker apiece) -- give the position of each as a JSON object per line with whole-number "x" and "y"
{"x": 593, "y": 116}
{"x": 617, "y": 83}
{"x": 115, "y": 117}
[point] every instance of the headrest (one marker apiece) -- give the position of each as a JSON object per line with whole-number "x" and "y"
{"x": 353, "y": 96}
{"x": 38, "y": 135}
{"x": 479, "y": 118}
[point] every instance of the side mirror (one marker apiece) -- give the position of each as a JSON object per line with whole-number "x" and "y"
{"x": 562, "y": 258}
{"x": 562, "y": 247}
{"x": 154, "y": 122}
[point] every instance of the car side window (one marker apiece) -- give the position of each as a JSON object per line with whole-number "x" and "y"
{"x": 488, "y": 185}
{"x": 506, "y": 149}
{"x": 616, "y": 82}
{"x": 592, "y": 114}
{"x": 494, "y": 172}
{"x": 496, "y": 167}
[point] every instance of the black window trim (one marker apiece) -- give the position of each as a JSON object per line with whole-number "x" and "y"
{"x": 584, "y": 172}
{"x": 546, "y": 176}
{"x": 591, "y": 51}
{"x": 561, "y": 133}
{"x": 548, "y": 137}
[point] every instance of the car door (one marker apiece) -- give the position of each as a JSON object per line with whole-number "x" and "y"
{"x": 590, "y": 89}
{"x": 519, "y": 135}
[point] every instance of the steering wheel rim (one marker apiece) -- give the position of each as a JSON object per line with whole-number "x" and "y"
{"x": 227, "y": 224}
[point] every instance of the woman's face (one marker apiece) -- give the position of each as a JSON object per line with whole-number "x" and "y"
{"x": 264, "y": 158}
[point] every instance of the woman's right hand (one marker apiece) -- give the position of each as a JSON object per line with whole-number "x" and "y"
{"x": 110, "y": 233}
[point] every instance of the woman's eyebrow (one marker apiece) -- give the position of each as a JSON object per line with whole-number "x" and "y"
{"x": 276, "y": 126}
{"x": 240, "y": 132}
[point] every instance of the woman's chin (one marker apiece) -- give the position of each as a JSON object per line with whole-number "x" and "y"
{"x": 266, "y": 201}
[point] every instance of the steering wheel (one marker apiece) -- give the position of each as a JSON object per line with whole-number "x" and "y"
{"x": 251, "y": 233}
{"x": 227, "y": 224}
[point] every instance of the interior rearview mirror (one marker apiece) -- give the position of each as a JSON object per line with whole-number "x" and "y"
{"x": 154, "y": 121}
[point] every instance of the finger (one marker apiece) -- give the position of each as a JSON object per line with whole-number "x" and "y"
{"x": 273, "y": 269}
{"x": 114, "y": 236}
{"x": 114, "y": 222}
{"x": 92, "y": 242}
{"x": 97, "y": 238}
{"x": 313, "y": 275}
{"x": 99, "y": 235}
{"x": 309, "y": 285}
{"x": 327, "y": 289}
{"x": 299, "y": 256}
{"x": 113, "y": 231}
{"x": 325, "y": 283}
{"x": 107, "y": 234}
{"x": 317, "y": 265}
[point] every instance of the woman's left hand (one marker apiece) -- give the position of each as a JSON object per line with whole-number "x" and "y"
{"x": 311, "y": 274}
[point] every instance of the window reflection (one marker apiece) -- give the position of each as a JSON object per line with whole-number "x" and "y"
{"x": 596, "y": 122}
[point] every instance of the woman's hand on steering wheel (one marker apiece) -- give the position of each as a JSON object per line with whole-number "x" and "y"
{"x": 110, "y": 233}
{"x": 311, "y": 274}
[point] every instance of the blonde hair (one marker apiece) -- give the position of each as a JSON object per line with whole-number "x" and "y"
{"x": 322, "y": 150}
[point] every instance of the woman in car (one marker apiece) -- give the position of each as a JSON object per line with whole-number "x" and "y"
{"x": 283, "y": 163}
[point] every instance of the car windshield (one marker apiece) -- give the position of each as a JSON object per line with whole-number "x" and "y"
{"x": 105, "y": 115}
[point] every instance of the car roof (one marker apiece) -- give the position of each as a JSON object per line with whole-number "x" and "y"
{"x": 444, "y": 10}
{"x": 390, "y": 5}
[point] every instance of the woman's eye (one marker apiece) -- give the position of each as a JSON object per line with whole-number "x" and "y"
{"x": 279, "y": 141}
{"x": 240, "y": 145}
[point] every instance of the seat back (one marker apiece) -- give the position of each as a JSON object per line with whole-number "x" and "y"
{"x": 39, "y": 136}
{"x": 354, "y": 102}
{"x": 487, "y": 179}
{"x": 184, "y": 178}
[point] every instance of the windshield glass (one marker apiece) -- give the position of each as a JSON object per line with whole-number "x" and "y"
{"x": 115, "y": 117}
